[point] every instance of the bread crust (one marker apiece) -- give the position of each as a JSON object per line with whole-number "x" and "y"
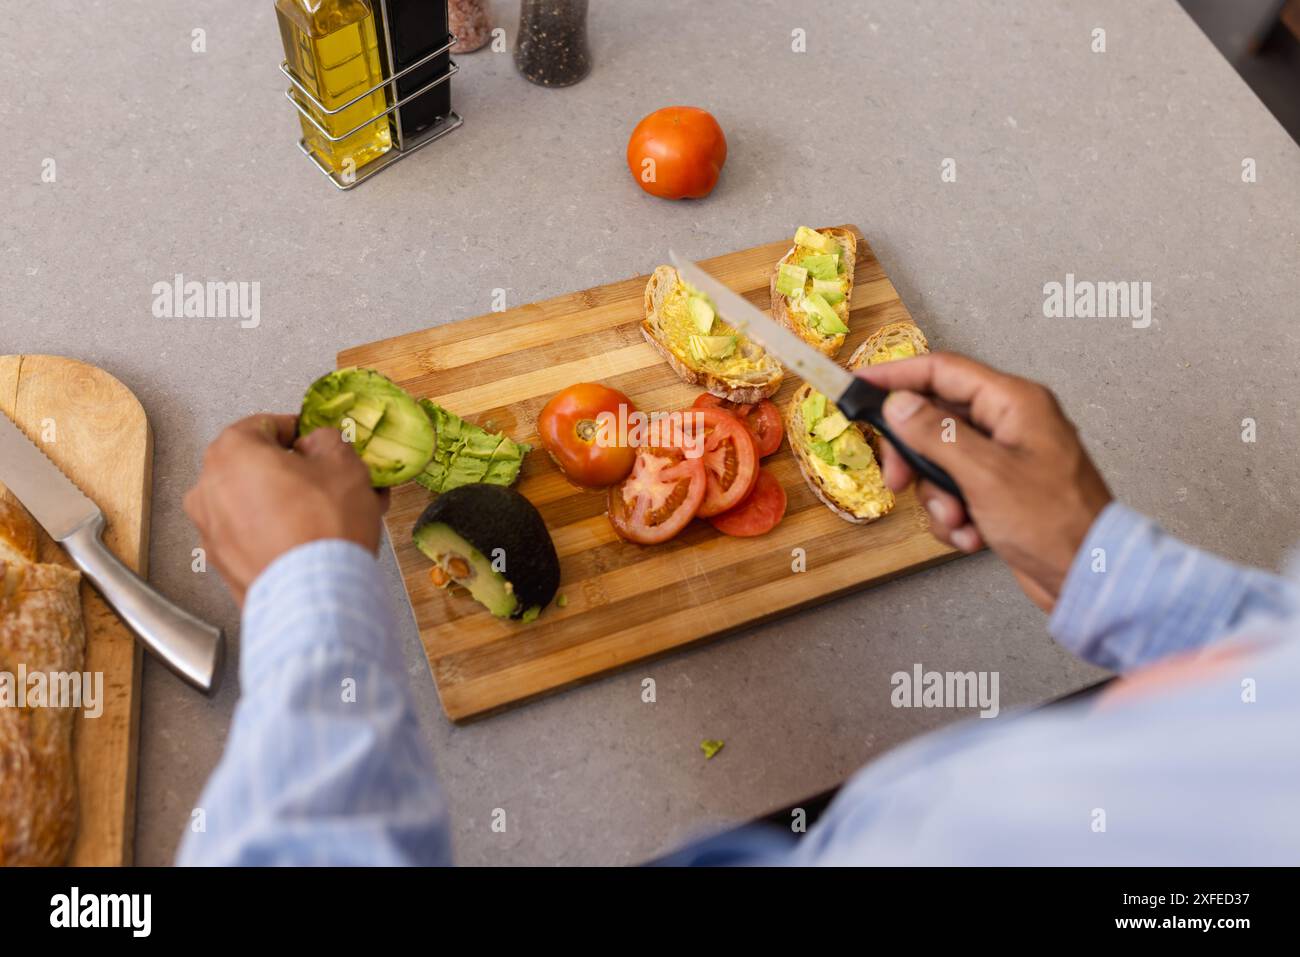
{"x": 781, "y": 311}
{"x": 796, "y": 432}
{"x": 41, "y": 628}
{"x": 661, "y": 284}
{"x": 17, "y": 534}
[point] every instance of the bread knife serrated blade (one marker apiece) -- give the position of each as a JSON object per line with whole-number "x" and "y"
{"x": 187, "y": 645}
{"x": 859, "y": 400}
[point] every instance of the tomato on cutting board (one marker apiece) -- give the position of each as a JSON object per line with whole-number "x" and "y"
{"x": 758, "y": 514}
{"x": 763, "y": 420}
{"x": 659, "y": 498}
{"x": 571, "y": 432}
{"x": 730, "y": 457}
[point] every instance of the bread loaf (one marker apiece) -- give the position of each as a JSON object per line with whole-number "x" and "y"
{"x": 41, "y": 631}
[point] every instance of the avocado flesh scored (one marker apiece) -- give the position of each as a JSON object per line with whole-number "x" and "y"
{"x": 500, "y": 525}
{"x": 467, "y": 454}
{"x": 389, "y": 431}
{"x": 488, "y": 587}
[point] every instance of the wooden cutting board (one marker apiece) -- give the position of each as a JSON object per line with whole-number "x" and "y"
{"x": 96, "y": 431}
{"x": 624, "y": 602}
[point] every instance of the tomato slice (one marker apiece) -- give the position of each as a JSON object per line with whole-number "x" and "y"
{"x": 756, "y": 515}
{"x": 729, "y": 453}
{"x": 763, "y": 420}
{"x": 660, "y": 496}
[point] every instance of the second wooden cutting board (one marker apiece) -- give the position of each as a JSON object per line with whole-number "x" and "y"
{"x": 624, "y": 602}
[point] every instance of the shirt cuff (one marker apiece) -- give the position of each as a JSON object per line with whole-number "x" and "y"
{"x": 1085, "y": 582}
{"x": 324, "y": 594}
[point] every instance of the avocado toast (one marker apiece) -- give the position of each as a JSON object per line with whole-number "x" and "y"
{"x": 812, "y": 284}
{"x": 682, "y": 325}
{"x": 836, "y": 457}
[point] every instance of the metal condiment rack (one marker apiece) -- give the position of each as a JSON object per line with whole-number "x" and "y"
{"x": 401, "y": 146}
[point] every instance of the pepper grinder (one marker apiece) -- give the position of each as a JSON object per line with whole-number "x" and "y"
{"x": 551, "y": 48}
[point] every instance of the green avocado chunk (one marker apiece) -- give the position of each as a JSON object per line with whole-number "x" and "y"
{"x": 821, "y": 266}
{"x": 386, "y": 427}
{"x": 829, "y": 289}
{"x": 704, "y": 348}
{"x": 823, "y": 450}
{"x": 490, "y": 540}
{"x": 790, "y": 279}
{"x": 467, "y": 454}
{"x": 809, "y": 238}
{"x": 813, "y": 409}
{"x": 851, "y": 450}
{"x": 831, "y": 426}
{"x": 702, "y": 314}
{"x": 824, "y": 317}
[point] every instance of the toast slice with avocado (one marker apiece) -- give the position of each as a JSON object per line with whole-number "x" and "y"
{"x": 898, "y": 340}
{"x": 682, "y": 325}
{"x": 812, "y": 284}
{"x": 838, "y": 458}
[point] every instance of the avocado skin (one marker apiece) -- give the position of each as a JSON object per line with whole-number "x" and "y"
{"x": 489, "y": 517}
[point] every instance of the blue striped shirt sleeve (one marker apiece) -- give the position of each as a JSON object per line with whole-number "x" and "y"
{"x": 1135, "y": 594}
{"x": 325, "y": 763}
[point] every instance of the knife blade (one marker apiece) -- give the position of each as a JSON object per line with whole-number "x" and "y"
{"x": 859, "y": 400}
{"x": 189, "y": 646}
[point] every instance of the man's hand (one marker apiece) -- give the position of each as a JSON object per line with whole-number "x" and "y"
{"x": 256, "y": 500}
{"x": 1031, "y": 491}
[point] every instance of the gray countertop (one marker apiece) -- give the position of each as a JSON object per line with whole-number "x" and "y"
{"x": 1123, "y": 165}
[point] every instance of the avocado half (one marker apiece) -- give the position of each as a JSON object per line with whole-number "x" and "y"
{"x": 386, "y": 426}
{"x": 490, "y": 540}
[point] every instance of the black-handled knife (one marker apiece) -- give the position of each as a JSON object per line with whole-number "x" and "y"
{"x": 859, "y": 400}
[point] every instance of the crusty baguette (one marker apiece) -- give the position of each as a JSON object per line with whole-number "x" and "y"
{"x": 40, "y": 628}
{"x": 796, "y": 321}
{"x": 17, "y": 534}
{"x": 661, "y": 285}
{"x": 875, "y": 348}
{"x": 799, "y": 445}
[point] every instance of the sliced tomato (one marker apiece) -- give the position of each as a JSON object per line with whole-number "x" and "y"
{"x": 758, "y": 514}
{"x": 763, "y": 420}
{"x": 729, "y": 453}
{"x": 660, "y": 496}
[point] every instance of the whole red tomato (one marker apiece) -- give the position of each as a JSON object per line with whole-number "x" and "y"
{"x": 677, "y": 152}
{"x": 571, "y": 431}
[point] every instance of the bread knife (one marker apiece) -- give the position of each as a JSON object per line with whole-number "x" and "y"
{"x": 187, "y": 645}
{"x": 859, "y": 400}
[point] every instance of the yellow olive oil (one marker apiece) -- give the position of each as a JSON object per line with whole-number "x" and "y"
{"x": 332, "y": 49}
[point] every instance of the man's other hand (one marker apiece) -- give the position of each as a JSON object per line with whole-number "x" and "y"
{"x": 261, "y": 493}
{"x": 1031, "y": 491}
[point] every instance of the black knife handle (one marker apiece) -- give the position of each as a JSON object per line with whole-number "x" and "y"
{"x": 864, "y": 402}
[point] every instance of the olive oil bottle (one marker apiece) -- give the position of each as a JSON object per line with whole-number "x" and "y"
{"x": 332, "y": 49}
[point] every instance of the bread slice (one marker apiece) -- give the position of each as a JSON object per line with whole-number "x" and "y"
{"x": 797, "y": 321}
{"x": 880, "y": 345}
{"x": 751, "y": 386}
{"x": 41, "y": 628}
{"x": 859, "y": 513}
